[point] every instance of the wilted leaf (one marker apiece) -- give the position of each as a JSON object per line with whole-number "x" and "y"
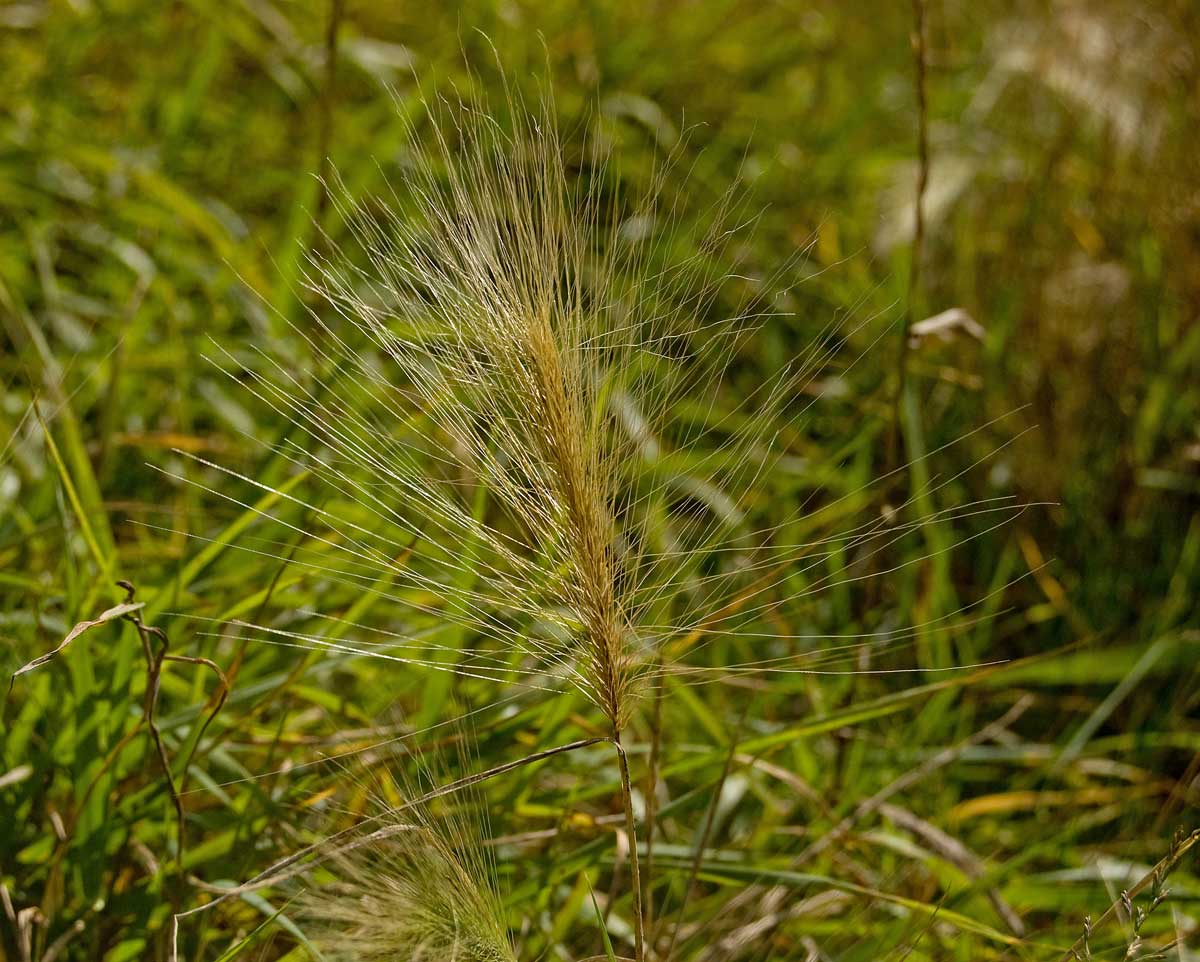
{"x": 118, "y": 611}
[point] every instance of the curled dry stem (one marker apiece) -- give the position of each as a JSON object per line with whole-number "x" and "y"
{"x": 154, "y": 662}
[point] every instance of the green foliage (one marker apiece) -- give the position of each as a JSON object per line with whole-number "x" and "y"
{"x": 159, "y": 197}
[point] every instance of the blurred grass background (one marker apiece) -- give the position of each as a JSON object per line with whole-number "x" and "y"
{"x": 158, "y": 187}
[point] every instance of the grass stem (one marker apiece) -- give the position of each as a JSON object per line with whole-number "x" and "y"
{"x": 639, "y": 937}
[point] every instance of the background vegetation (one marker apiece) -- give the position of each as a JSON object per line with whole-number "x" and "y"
{"x": 157, "y": 189}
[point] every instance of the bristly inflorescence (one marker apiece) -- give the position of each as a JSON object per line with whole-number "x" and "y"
{"x": 515, "y": 408}
{"x": 420, "y": 890}
{"x": 505, "y": 358}
{"x": 506, "y": 352}
{"x": 515, "y": 322}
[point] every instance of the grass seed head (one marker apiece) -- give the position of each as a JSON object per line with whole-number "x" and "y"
{"x": 509, "y": 306}
{"x": 419, "y": 889}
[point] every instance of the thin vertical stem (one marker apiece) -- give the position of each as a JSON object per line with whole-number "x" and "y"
{"x": 652, "y": 794}
{"x": 918, "y": 242}
{"x": 337, "y": 9}
{"x": 639, "y": 938}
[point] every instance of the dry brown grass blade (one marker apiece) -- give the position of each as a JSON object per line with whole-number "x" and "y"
{"x": 112, "y": 614}
{"x": 956, "y": 853}
{"x": 908, "y": 779}
{"x": 773, "y": 898}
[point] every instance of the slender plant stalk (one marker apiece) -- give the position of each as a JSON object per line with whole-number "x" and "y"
{"x": 333, "y": 24}
{"x": 639, "y": 935}
{"x": 652, "y": 790}
{"x": 918, "y": 243}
